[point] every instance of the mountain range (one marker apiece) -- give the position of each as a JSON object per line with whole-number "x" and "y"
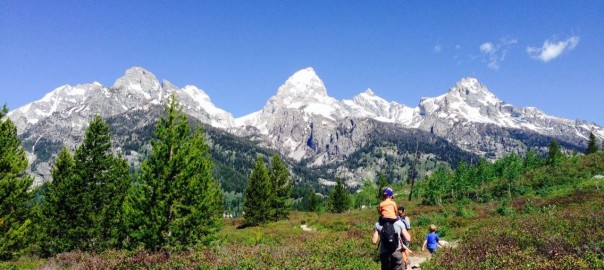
{"x": 320, "y": 137}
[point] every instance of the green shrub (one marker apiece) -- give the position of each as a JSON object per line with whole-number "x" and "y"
{"x": 337, "y": 225}
{"x": 504, "y": 208}
{"x": 463, "y": 211}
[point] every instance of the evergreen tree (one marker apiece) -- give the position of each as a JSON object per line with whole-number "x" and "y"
{"x": 56, "y": 215}
{"x": 256, "y": 204}
{"x": 112, "y": 193}
{"x": 592, "y": 145}
{"x": 531, "y": 160}
{"x": 99, "y": 184}
{"x": 309, "y": 201}
{"x": 174, "y": 203}
{"x": 15, "y": 195}
{"x": 281, "y": 187}
{"x": 198, "y": 210}
{"x": 314, "y": 202}
{"x": 339, "y": 199}
{"x": 554, "y": 155}
{"x": 137, "y": 210}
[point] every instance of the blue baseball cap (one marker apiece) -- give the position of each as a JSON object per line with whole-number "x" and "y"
{"x": 388, "y": 192}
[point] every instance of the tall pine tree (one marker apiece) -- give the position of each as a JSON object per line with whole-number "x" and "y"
{"x": 592, "y": 144}
{"x": 99, "y": 185}
{"x": 339, "y": 199}
{"x": 554, "y": 155}
{"x": 257, "y": 203}
{"x": 281, "y": 187}
{"x": 198, "y": 210}
{"x": 56, "y": 214}
{"x": 175, "y": 203}
{"x": 14, "y": 191}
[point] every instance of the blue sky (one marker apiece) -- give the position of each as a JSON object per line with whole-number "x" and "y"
{"x": 546, "y": 54}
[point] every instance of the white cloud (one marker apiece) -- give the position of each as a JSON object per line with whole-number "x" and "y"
{"x": 495, "y": 53}
{"x": 437, "y": 48}
{"x": 551, "y": 49}
{"x": 487, "y": 47}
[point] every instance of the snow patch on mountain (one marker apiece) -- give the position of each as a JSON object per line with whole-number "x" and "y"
{"x": 200, "y": 102}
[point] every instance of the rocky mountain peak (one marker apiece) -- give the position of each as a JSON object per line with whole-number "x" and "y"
{"x": 473, "y": 93}
{"x": 468, "y": 82}
{"x": 369, "y": 92}
{"x": 139, "y": 81}
{"x": 369, "y": 99}
{"x": 304, "y": 82}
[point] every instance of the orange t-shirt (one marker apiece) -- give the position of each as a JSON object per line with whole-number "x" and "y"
{"x": 388, "y": 209}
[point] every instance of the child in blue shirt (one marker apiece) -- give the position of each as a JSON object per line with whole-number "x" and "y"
{"x": 432, "y": 240}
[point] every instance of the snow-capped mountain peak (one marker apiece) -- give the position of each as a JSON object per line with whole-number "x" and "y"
{"x": 303, "y": 83}
{"x": 303, "y": 92}
{"x": 370, "y": 96}
{"x": 140, "y": 83}
{"x": 368, "y": 104}
{"x": 65, "y": 99}
{"x": 469, "y": 100}
{"x": 368, "y": 92}
{"x": 137, "y": 88}
{"x": 474, "y": 93}
{"x": 136, "y": 76}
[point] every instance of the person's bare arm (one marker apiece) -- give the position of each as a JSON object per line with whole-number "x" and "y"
{"x": 375, "y": 237}
{"x": 406, "y": 248}
{"x": 406, "y": 234}
{"x": 424, "y": 245}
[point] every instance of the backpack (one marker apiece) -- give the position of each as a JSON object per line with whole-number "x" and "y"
{"x": 389, "y": 236}
{"x": 405, "y": 222}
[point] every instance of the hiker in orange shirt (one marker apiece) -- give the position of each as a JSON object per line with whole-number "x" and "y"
{"x": 388, "y": 210}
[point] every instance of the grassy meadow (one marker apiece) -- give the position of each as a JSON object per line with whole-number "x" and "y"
{"x": 559, "y": 232}
{"x": 556, "y": 223}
